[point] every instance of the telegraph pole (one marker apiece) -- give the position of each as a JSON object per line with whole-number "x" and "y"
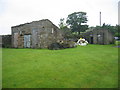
{"x": 100, "y": 18}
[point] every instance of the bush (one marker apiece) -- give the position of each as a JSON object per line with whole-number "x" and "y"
{"x": 62, "y": 45}
{"x": 117, "y": 43}
{"x": 55, "y": 46}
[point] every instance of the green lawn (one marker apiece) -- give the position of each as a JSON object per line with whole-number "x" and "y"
{"x": 0, "y": 68}
{"x": 92, "y": 66}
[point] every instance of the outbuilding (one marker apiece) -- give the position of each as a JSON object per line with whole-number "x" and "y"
{"x": 99, "y": 36}
{"x": 36, "y": 34}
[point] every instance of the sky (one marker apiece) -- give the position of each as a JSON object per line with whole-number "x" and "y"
{"x": 15, "y": 12}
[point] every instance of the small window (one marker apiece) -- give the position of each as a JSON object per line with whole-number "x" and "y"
{"x": 20, "y": 32}
{"x": 52, "y": 30}
{"x": 98, "y": 35}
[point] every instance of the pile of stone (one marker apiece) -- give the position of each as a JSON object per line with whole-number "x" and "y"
{"x": 62, "y": 45}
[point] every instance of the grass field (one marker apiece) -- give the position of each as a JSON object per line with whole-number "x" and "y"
{"x": 92, "y": 66}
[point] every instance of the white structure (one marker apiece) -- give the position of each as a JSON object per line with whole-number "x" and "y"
{"x": 119, "y": 13}
{"x": 82, "y": 42}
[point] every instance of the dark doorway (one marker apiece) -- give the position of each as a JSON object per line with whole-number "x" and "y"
{"x": 91, "y": 40}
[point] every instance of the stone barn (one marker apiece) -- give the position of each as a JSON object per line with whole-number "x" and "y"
{"x": 36, "y": 34}
{"x": 99, "y": 36}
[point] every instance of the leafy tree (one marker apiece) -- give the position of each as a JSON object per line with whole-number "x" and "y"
{"x": 113, "y": 29}
{"x": 62, "y": 24}
{"x": 117, "y": 34}
{"x": 76, "y": 21}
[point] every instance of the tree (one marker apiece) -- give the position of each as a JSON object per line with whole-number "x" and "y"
{"x": 62, "y": 24}
{"x": 114, "y": 29}
{"x": 76, "y": 21}
{"x": 65, "y": 29}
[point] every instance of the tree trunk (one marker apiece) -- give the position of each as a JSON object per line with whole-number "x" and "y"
{"x": 78, "y": 32}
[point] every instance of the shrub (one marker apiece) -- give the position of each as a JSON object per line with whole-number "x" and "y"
{"x": 55, "y": 46}
{"x": 117, "y": 43}
{"x": 62, "y": 45}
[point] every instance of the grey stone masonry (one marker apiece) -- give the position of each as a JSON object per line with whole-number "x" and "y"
{"x": 36, "y": 34}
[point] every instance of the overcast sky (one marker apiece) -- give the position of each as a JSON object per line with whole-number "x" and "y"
{"x": 15, "y": 12}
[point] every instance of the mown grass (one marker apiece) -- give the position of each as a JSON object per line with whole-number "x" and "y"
{"x": 0, "y": 68}
{"x": 92, "y": 66}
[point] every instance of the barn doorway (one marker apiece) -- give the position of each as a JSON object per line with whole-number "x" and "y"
{"x": 15, "y": 40}
{"x": 27, "y": 41}
{"x": 91, "y": 40}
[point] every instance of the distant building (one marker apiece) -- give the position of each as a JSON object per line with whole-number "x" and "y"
{"x": 5, "y": 41}
{"x": 37, "y": 34}
{"x": 99, "y": 36}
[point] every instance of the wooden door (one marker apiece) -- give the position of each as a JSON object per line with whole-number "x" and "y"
{"x": 27, "y": 41}
{"x": 15, "y": 40}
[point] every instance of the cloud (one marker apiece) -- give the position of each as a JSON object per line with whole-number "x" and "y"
{"x": 15, "y": 12}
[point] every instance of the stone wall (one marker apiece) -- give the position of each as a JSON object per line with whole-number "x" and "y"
{"x": 41, "y": 34}
{"x": 6, "y": 41}
{"x": 101, "y": 36}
